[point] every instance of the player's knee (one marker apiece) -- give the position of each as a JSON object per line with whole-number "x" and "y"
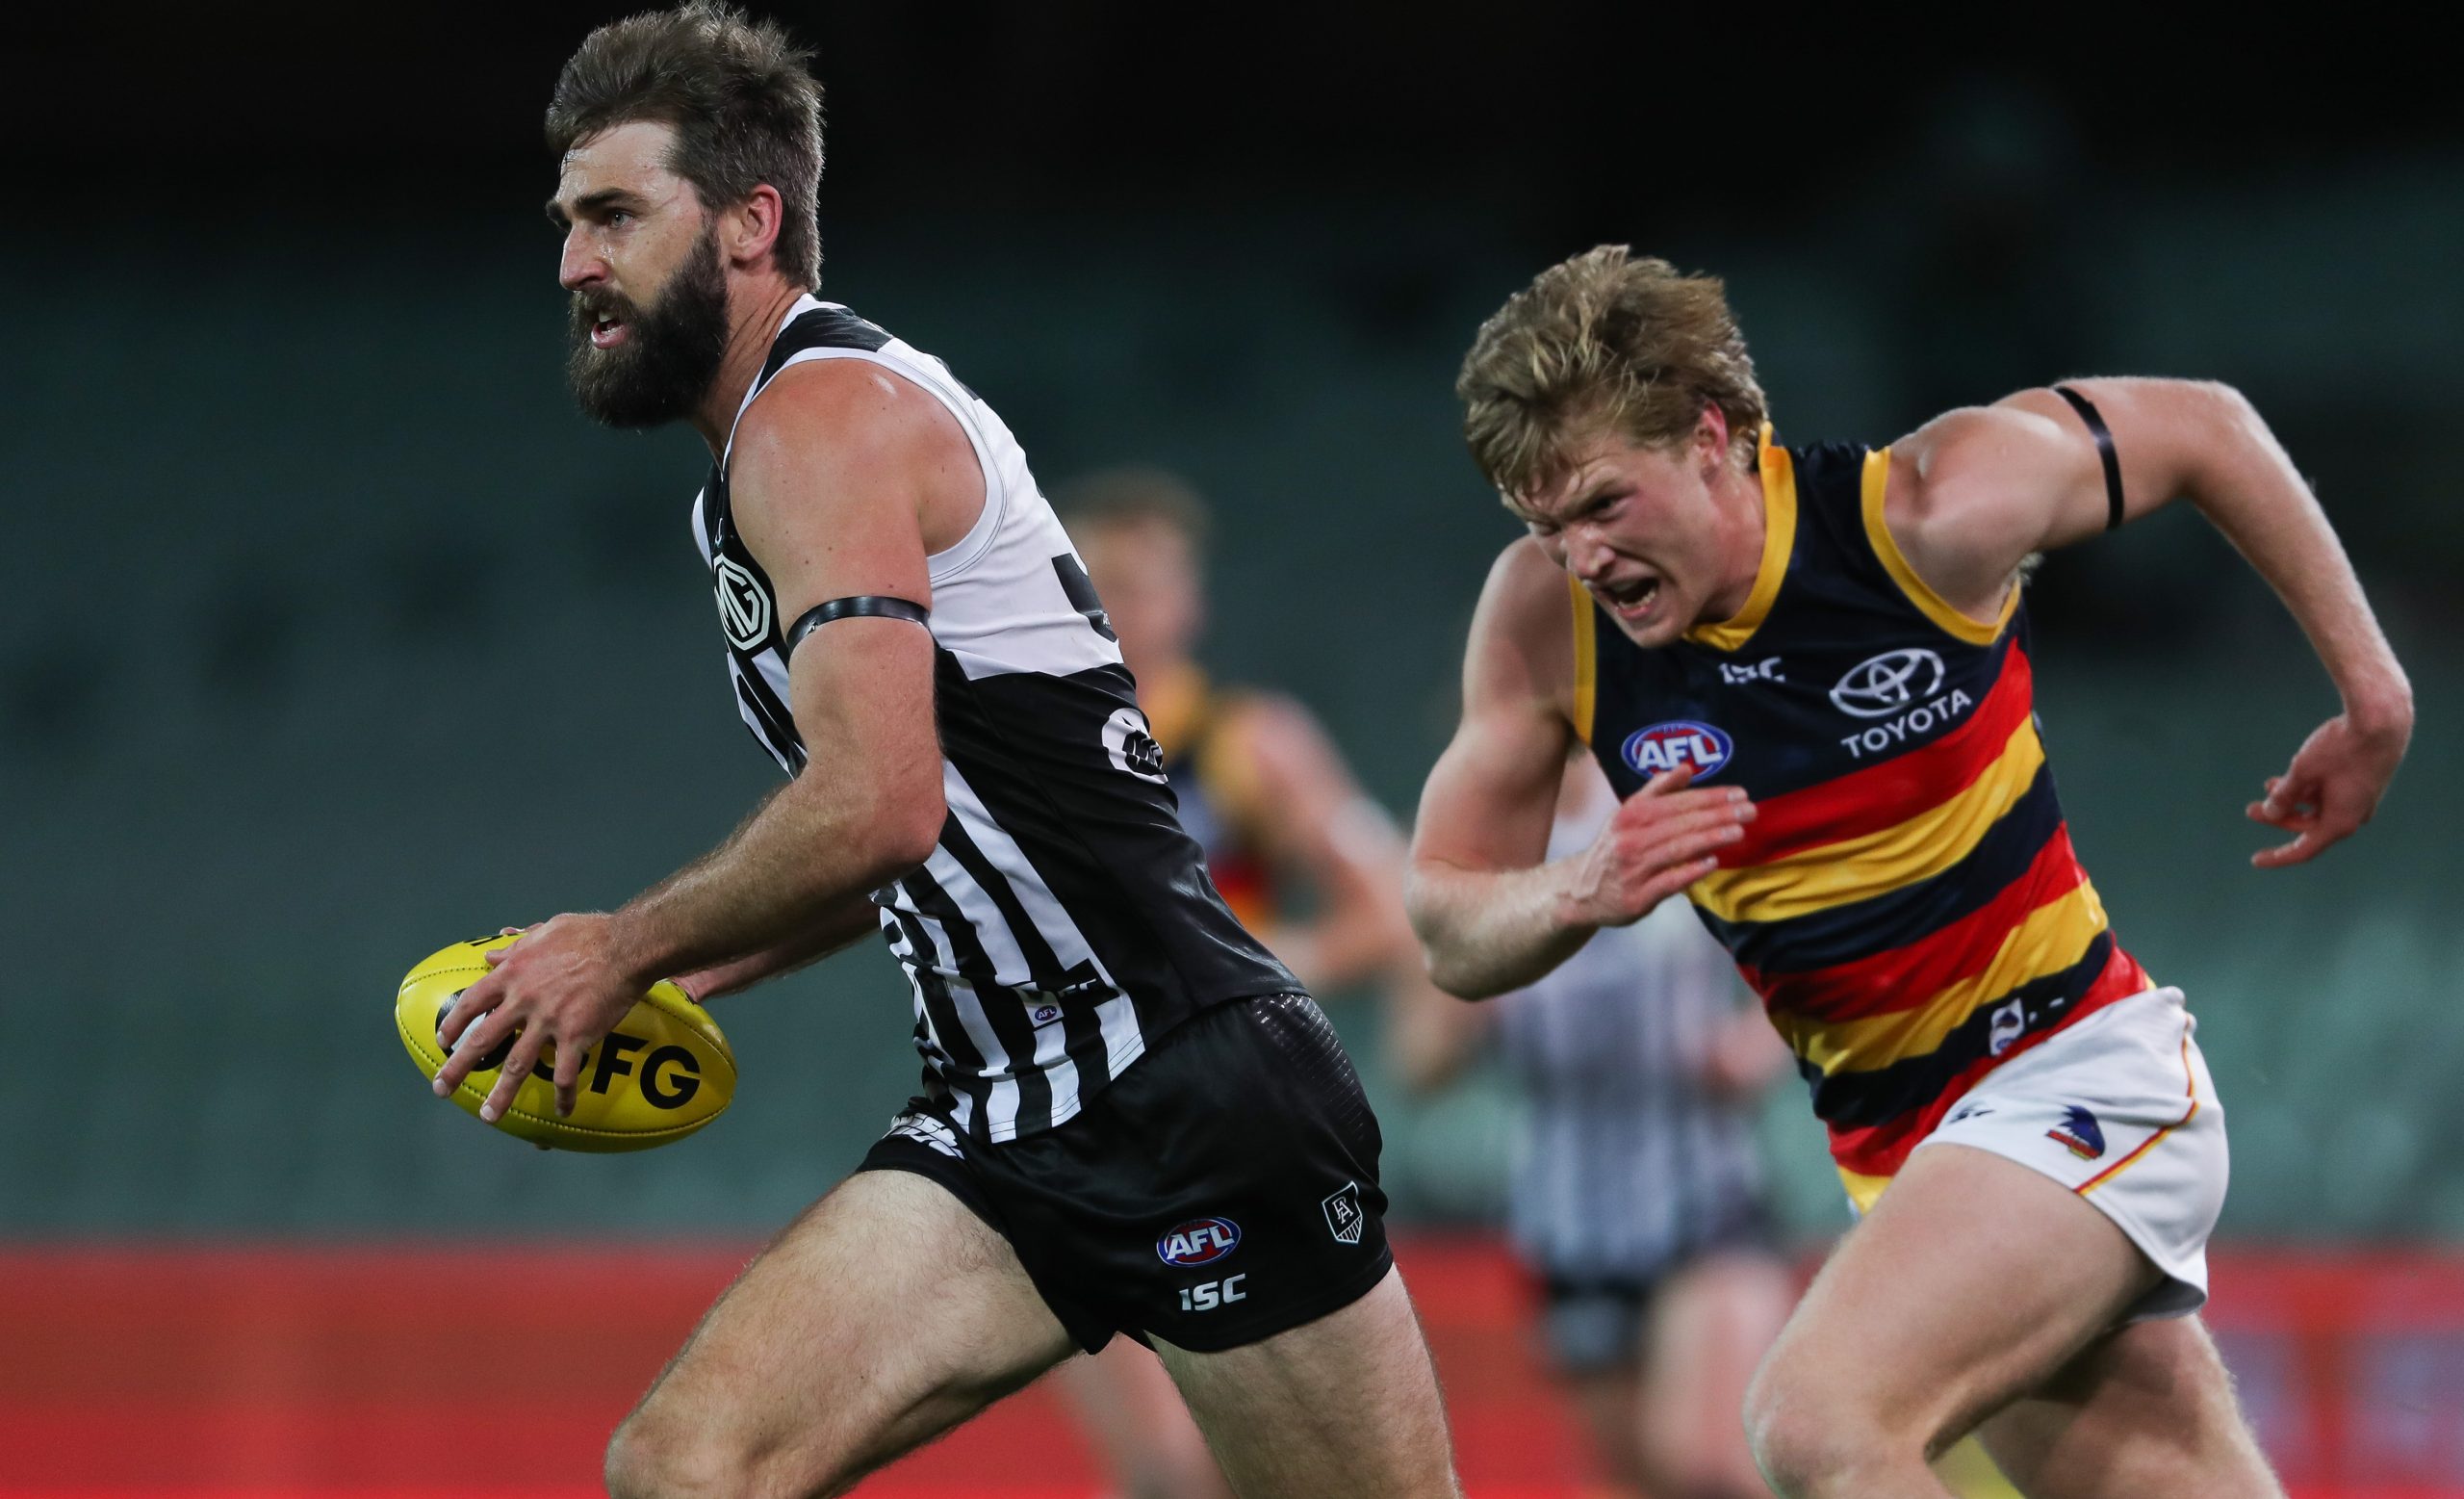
{"x": 654, "y": 1459}
{"x": 1708, "y": 1464}
{"x": 1808, "y": 1442}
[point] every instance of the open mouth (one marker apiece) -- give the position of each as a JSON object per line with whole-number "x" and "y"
{"x": 607, "y": 330}
{"x": 1631, "y": 598}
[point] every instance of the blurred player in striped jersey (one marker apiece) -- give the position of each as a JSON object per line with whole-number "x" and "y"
{"x": 1283, "y": 822}
{"x": 1636, "y": 1196}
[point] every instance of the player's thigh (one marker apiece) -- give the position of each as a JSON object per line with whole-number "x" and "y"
{"x": 885, "y": 1314}
{"x": 1132, "y": 1412}
{"x": 1708, "y": 1327}
{"x": 1972, "y": 1280}
{"x": 2147, "y": 1410}
{"x": 1344, "y": 1405}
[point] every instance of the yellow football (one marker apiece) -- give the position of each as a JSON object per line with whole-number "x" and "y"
{"x": 663, "y": 1072}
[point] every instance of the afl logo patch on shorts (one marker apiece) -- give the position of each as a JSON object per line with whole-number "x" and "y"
{"x": 1680, "y": 742}
{"x": 1201, "y": 1241}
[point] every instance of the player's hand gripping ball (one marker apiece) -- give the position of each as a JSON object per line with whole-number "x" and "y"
{"x": 663, "y": 1072}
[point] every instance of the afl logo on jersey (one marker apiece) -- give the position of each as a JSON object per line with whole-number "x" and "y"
{"x": 744, "y": 606}
{"x": 1132, "y": 747}
{"x": 1881, "y": 685}
{"x": 1680, "y": 742}
{"x": 1201, "y": 1241}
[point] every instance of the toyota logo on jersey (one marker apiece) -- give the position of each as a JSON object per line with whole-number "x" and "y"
{"x": 1680, "y": 742}
{"x": 1201, "y": 1241}
{"x": 1879, "y": 685}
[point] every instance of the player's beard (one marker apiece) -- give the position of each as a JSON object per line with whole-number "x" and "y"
{"x": 671, "y": 351}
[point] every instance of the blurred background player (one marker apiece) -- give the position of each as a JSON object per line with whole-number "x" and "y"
{"x": 1261, "y": 785}
{"x": 1636, "y": 1195}
{"x": 1304, "y": 855}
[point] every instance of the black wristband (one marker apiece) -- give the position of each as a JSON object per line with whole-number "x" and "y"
{"x": 874, "y": 606}
{"x": 2105, "y": 453}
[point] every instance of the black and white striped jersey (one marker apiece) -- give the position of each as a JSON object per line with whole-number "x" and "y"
{"x": 1066, "y": 920}
{"x": 1626, "y": 1160}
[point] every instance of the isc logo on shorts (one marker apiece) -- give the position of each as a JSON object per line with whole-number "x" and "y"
{"x": 1201, "y": 1241}
{"x": 1680, "y": 742}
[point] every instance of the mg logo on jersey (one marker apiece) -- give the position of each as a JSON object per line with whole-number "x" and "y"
{"x": 1201, "y": 1241}
{"x": 744, "y": 608}
{"x": 1879, "y": 685}
{"x": 1680, "y": 742}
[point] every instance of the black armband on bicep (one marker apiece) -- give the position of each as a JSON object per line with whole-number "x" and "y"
{"x": 2105, "y": 453}
{"x": 874, "y": 606}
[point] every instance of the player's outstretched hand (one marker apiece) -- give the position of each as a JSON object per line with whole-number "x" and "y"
{"x": 2331, "y": 788}
{"x": 558, "y": 985}
{"x": 1663, "y": 839}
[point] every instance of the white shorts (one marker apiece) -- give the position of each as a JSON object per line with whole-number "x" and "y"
{"x": 2119, "y": 1108}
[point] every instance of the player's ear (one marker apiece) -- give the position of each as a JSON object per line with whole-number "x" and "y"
{"x": 1710, "y": 440}
{"x": 751, "y": 227}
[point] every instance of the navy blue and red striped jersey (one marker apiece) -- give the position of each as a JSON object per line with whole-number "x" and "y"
{"x": 1907, "y": 903}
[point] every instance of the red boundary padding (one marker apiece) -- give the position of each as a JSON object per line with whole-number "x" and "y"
{"x": 404, "y": 1372}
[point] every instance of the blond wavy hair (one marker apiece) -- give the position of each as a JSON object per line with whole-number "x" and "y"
{"x": 1607, "y": 340}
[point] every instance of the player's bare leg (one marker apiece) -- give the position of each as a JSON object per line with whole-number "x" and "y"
{"x": 1974, "y": 1280}
{"x": 884, "y": 1316}
{"x": 1610, "y": 1403}
{"x": 1129, "y": 1406}
{"x": 1709, "y": 1325}
{"x": 1345, "y": 1404}
{"x": 2149, "y": 1410}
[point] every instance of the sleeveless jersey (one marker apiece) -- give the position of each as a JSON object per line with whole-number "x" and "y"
{"x": 1189, "y": 725}
{"x": 1907, "y": 903}
{"x": 1626, "y": 1162}
{"x": 1064, "y": 920}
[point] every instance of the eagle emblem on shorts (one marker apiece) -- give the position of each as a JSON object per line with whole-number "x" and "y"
{"x": 2078, "y": 1132}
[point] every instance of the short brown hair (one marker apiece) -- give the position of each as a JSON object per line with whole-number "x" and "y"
{"x": 746, "y": 111}
{"x": 1601, "y": 339}
{"x": 1132, "y": 495}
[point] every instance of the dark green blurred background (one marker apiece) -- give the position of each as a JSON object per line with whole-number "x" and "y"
{"x": 333, "y": 632}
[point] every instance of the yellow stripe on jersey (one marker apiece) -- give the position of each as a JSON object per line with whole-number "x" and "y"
{"x": 1859, "y": 869}
{"x": 1779, "y": 539}
{"x": 1862, "y": 1190}
{"x": 1586, "y": 657}
{"x": 2049, "y": 939}
{"x": 1939, "y": 609}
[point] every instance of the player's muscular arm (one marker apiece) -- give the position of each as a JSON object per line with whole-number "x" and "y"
{"x": 838, "y": 926}
{"x": 1974, "y": 492}
{"x": 842, "y": 478}
{"x": 1491, "y": 914}
{"x": 836, "y": 475}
